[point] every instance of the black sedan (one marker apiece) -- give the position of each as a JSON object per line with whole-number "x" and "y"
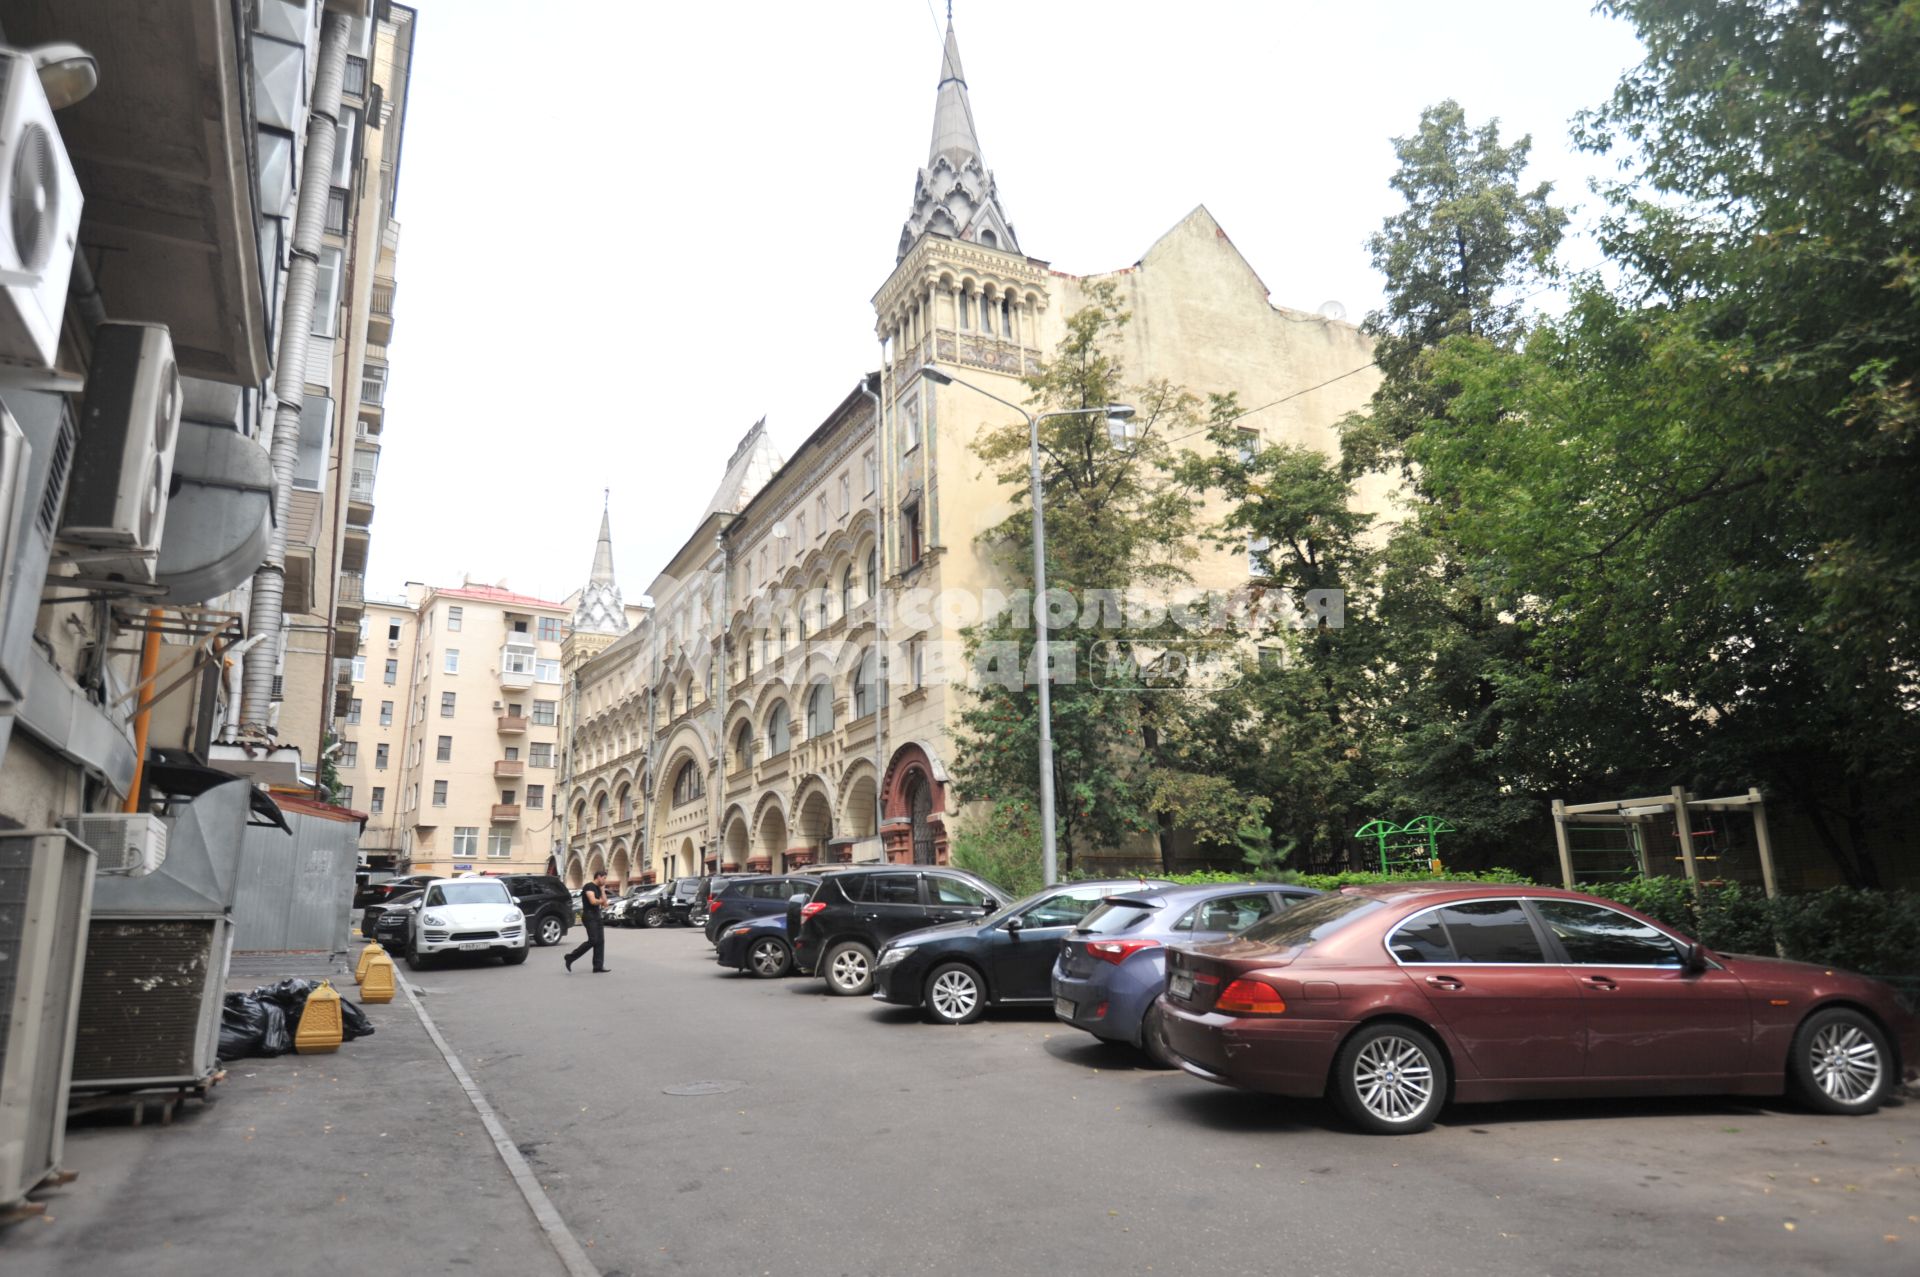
{"x": 370, "y": 916}
{"x": 958, "y": 970}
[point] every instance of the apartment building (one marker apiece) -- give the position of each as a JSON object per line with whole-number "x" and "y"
{"x": 449, "y": 740}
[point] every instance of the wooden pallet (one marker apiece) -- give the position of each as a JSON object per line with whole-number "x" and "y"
{"x": 164, "y": 1101}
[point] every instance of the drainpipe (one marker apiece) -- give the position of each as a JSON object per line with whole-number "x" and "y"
{"x": 290, "y": 373}
{"x": 882, "y": 704}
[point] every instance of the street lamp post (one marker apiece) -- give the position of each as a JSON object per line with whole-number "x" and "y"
{"x": 1041, "y": 657}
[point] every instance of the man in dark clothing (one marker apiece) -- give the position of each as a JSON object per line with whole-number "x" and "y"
{"x": 593, "y": 898}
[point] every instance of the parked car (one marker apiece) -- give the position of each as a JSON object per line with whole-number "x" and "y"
{"x": 1393, "y": 1000}
{"x": 543, "y": 898}
{"x": 688, "y": 902}
{"x": 959, "y": 969}
{"x": 370, "y": 916}
{"x": 615, "y": 910}
{"x": 377, "y": 893}
{"x": 736, "y": 899}
{"x": 646, "y": 906}
{"x": 842, "y": 925}
{"x": 395, "y": 925}
{"x": 1112, "y": 968}
{"x": 756, "y": 946}
{"x": 467, "y": 915}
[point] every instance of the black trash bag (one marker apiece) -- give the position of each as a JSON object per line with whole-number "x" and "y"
{"x": 353, "y": 1021}
{"x": 277, "y": 1040}
{"x": 243, "y": 1026}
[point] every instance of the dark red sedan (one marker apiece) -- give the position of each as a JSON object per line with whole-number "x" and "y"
{"x": 1393, "y": 1000}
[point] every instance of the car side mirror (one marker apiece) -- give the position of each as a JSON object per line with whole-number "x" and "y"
{"x": 1693, "y": 959}
{"x": 1014, "y": 924}
{"x": 797, "y": 898}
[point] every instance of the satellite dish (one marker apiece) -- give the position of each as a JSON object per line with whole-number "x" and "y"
{"x": 780, "y": 530}
{"x": 1333, "y": 310}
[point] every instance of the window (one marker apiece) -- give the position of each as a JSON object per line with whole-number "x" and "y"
{"x": 1492, "y": 931}
{"x": 819, "y": 710}
{"x": 540, "y": 755}
{"x": 846, "y": 591}
{"x": 379, "y": 801}
{"x": 917, "y": 662}
{"x": 687, "y": 785}
{"x": 355, "y": 80}
{"x": 439, "y": 793}
{"x": 549, "y": 629}
{"x": 888, "y": 889}
{"x": 910, "y": 423}
{"x": 536, "y": 796}
{"x": 326, "y": 293}
{"x": 778, "y": 740}
{"x": 966, "y": 309}
{"x": 392, "y": 673}
{"x": 443, "y": 750}
{"x": 360, "y": 668}
{"x": 316, "y": 440}
{"x": 349, "y": 753}
{"x": 846, "y": 496}
{"x": 345, "y": 797}
{"x": 910, "y": 532}
{"x": 544, "y": 713}
{"x": 864, "y": 675}
{"x": 386, "y": 713}
{"x": 500, "y": 843}
{"x": 800, "y": 531}
{"x": 955, "y": 891}
{"x": 453, "y": 618}
{"x": 1595, "y": 936}
{"x": 353, "y": 710}
{"x": 820, "y": 515}
{"x": 870, "y": 470}
{"x": 546, "y": 671}
{"x": 511, "y": 753}
{"x": 1249, "y": 446}
{"x": 508, "y": 797}
{"x": 393, "y": 631}
{"x": 743, "y": 747}
{"x": 466, "y": 841}
{"x": 380, "y": 758}
{"x": 453, "y": 660}
{"x": 446, "y": 704}
{"x": 672, "y": 705}
{"x": 873, "y": 573}
{"x": 516, "y": 660}
{"x": 521, "y": 626}
{"x": 1257, "y": 548}
{"x": 1226, "y": 913}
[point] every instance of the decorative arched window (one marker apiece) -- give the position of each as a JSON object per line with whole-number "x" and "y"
{"x": 863, "y": 684}
{"x": 846, "y": 591}
{"x": 626, "y": 803}
{"x": 743, "y": 747}
{"x": 873, "y": 573}
{"x": 670, "y": 709}
{"x": 779, "y": 734}
{"x": 687, "y": 785}
{"x": 819, "y": 710}
{"x": 600, "y": 809}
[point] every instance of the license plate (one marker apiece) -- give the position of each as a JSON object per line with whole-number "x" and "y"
{"x": 1064, "y": 1008}
{"x": 477, "y": 944}
{"x": 1180, "y": 985}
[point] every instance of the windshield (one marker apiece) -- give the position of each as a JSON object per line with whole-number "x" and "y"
{"x": 468, "y": 893}
{"x": 1116, "y": 914}
{"x": 1051, "y": 907}
{"x": 1306, "y": 923}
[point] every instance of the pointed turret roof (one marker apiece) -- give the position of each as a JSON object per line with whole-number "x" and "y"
{"x": 601, "y": 609}
{"x": 755, "y": 460}
{"x": 955, "y": 195}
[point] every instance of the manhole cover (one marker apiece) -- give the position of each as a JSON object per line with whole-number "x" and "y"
{"x": 717, "y": 1086}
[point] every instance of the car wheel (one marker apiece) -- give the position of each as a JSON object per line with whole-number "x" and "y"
{"x": 653, "y": 918}
{"x": 416, "y": 961}
{"x": 955, "y": 994}
{"x": 514, "y": 957}
{"x": 849, "y": 968}
{"x": 1153, "y": 1039}
{"x": 549, "y": 930}
{"x": 769, "y": 958}
{"x": 1841, "y": 1062}
{"x": 1390, "y": 1079}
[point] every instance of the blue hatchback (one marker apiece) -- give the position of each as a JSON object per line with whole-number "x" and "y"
{"x": 1113, "y": 967}
{"x": 756, "y": 946}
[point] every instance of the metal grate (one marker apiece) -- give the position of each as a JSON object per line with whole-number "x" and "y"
{"x": 16, "y": 864}
{"x": 55, "y": 493}
{"x": 141, "y": 998}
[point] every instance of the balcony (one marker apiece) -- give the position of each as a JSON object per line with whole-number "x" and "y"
{"x": 509, "y": 768}
{"x": 346, "y": 638}
{"x": 516, "y": 666}
{"x": 350, "y": 600}
{"x": 506, "y": 813}
{"x": 513, "y": 724}
{"x": 342, "y": 701}
{"x": 353, "y": 548}
{"x": 380, "y": 319}
{"x": 360, "y": 502}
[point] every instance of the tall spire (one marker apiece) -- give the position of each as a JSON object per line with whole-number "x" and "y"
{"x": 955, "y": 195}
{"x": 601, "y": 610}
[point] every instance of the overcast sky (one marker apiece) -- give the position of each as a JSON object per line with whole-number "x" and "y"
{"x": 630, "y": 230}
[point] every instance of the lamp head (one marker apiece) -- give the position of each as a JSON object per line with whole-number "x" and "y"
{"x": 935, "y": 376}
{"x": 68, "y": 73}
{"x": 1120, "y": 412}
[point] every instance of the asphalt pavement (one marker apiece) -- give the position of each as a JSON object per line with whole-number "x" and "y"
{"x": 685, "y": 1119}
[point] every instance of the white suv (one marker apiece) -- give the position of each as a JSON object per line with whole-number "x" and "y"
{"x": 467, "y": 915}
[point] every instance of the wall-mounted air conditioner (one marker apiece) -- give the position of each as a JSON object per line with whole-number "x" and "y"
{"x": 46, "y": 887}
{"x": 42, "y": 224}
{"x": 117, "y": 502}
{"x": 131, "y": 844}
{"x": 45, "y": 422}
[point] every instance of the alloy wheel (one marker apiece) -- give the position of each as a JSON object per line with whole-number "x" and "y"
{"x": 767, "y": 957}
{"x": 850, "y": 968}
{"x": 953, "y": 995}
{"x": 1394, "y": 1078}
{"x": 1845, "y": 1062}
{"x": 550, "y": 930}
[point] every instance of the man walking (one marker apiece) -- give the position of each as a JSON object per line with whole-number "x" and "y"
{"x": 593, "y": 898}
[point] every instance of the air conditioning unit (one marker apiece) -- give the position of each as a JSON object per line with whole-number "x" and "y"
{"x": 117, "y": 501}
{"x": 46, "y": 890}
{"x": 45, "y": 421}
{"x": 41, "y": 228}
{"x": 133, "y": 845}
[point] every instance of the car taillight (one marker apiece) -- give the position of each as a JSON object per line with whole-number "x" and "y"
{"x": 1118, "y": 951}
{"x": 808, "y": 910}
{"x": 1250, "y": 997}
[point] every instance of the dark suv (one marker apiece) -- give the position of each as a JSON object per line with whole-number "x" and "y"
{"x": 546, "y": 902}
{"x": 855, "y": 911}
{"x": 738, "y": 899}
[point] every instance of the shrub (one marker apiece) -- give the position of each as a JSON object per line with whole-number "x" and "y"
{"x": 1876, "y": 932}
{"x": 1003, "y": 847}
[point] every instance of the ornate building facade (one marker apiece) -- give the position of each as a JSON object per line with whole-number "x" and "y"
{"x": 785, "y": 701}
